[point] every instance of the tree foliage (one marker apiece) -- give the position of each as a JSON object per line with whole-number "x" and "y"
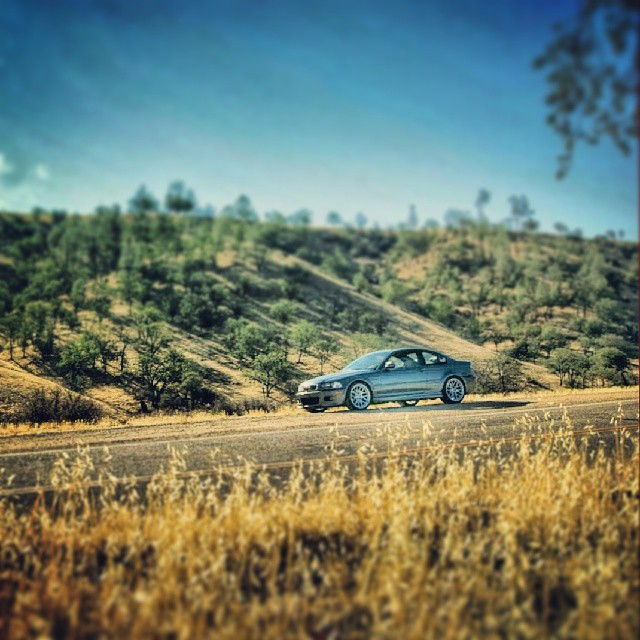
{"x": 592, "y": 77}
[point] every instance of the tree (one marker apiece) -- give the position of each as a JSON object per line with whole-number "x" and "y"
{"x": 526, "y": 342}
{"x": 412, "y": 218}
{"x": 547, "y": 296}
{"x": 246, "y": 340}
{"x": 101, "y": 300}
{"x": 121, "y": 350}
{"x": 5, "y": 298}
{"x": 155, "y": 372}
{"x": 302, "y": 218}
{"x": 77, "y": 295}
{"x": 243, "y": 210}
{"x": 610, "y": 312}
{"x": 38, "y": 328}
{"x": 482, "y": 200}
{"x": 283, "y": 310}
{"x": 190, "y": 389}
{"x": 477, "y": 295}
{"x": 129, "y": 277}
{"x": 10, "y": 326}
{"x": 275, "y": 217}
{"x": 25, "y": 334}
{"x": 196, "y": 308}
{"x": 551, "y": 338}
{"x": 456, "y": 218}
{"x": 106, "y": 349}
{"x": 591, "y": 77}
{"x": 334, "y": 218}
{"x": 143, "y": 201}
{"x": 179, "y": 198}
{"x": 270, "y": 369}
{"x": 77, "y": 360}
{"x": 618, "y": 342}
{"x": 569, "y": 365}
{"x": 303, "y": 336}
{"x": 493, "y": 332}
{"x": 339, "y": 264}
{"x": 260, "y": 256}
{"x": 323, "y": 348}
{"x": 561, "y": 228}
{"x": 611, "y": 364}
{"x": 361, "y": 283}
{"x": 395, "y": 292}
{"x": 150, "y": 336}
{"x": 521, "y": 212}
{"x": 500, "y": 373}
{"x": 361, "y": 220}
{"x": 44, "y": 342}
{"x": 590, "y": 283}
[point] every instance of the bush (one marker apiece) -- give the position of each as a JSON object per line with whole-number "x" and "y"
{"x": 283, "y": 310}
{"x": 55, "y": 405}
{"x": 242, "y": 406}
{"x": 499, "y": 374}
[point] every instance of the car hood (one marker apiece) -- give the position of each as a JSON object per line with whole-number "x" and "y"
{"x": 335, "y": 377}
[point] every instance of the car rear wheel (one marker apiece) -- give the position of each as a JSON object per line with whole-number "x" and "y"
{"x": 314, "y": 409}
{"x": 453, "y": 391}
{"x": 408, "y": 403}
{"x": 358, "y": 396}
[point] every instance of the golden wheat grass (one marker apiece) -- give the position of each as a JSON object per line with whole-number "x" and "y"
{"x": 508, "y": 540}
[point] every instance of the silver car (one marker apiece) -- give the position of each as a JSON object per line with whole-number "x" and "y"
{"x": 404, "y": 375}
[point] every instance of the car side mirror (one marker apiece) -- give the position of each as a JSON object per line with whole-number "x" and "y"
{"x": 389, "y": 365}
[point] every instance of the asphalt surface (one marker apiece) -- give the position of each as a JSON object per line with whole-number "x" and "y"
{"x": 278, "y": 441}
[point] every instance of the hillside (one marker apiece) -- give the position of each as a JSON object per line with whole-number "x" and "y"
{"x": 154, "y": 311}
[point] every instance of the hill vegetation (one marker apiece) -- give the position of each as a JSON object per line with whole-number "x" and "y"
{"x": 177, "y": 309}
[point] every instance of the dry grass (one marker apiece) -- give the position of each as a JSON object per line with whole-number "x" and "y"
{"x": 526, "y": 540}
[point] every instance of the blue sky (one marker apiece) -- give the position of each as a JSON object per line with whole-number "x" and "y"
{"x": 347, "y": 106}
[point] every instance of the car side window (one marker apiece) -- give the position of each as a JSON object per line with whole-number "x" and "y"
{"x": 432, "y": 358}
{"x": 411, "y": 360}
{"x": 395, "y": 361}
{"x": 407, "y": 360}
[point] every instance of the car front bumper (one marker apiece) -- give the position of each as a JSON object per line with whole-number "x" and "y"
{"x": 318, "y": 399}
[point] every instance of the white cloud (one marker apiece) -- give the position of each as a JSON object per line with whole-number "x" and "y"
{"x": 42, "y": 172}
{"x": 5, "y": 166}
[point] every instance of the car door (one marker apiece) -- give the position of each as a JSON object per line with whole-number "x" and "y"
{"x": 404, "y": 379}
{"x": 433, "y": 370}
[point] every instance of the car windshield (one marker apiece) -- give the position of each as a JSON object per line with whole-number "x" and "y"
{"x": 370, "y": 361}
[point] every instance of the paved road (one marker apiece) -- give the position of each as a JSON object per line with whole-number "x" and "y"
{"x": 277, "y": 441}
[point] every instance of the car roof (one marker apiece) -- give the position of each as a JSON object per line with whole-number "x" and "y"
{"x": 414, "y": 347}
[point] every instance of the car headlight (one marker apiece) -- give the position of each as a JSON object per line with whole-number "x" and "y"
{"x": 330, "y": 385}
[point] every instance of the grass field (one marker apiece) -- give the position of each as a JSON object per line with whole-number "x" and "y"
{"x": 527, "y": 540}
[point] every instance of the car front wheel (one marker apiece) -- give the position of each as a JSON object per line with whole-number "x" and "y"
{"x": 453, "y": 391}
{"x": 358, "y": 396}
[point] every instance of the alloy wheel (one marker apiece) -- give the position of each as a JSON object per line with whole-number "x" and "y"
{"x": 454, "y": 390}
{"x": 359, "y": 396}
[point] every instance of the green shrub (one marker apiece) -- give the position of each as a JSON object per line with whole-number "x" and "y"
{"x": 41, "y": 405}
{"x": 501, "y": 373}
